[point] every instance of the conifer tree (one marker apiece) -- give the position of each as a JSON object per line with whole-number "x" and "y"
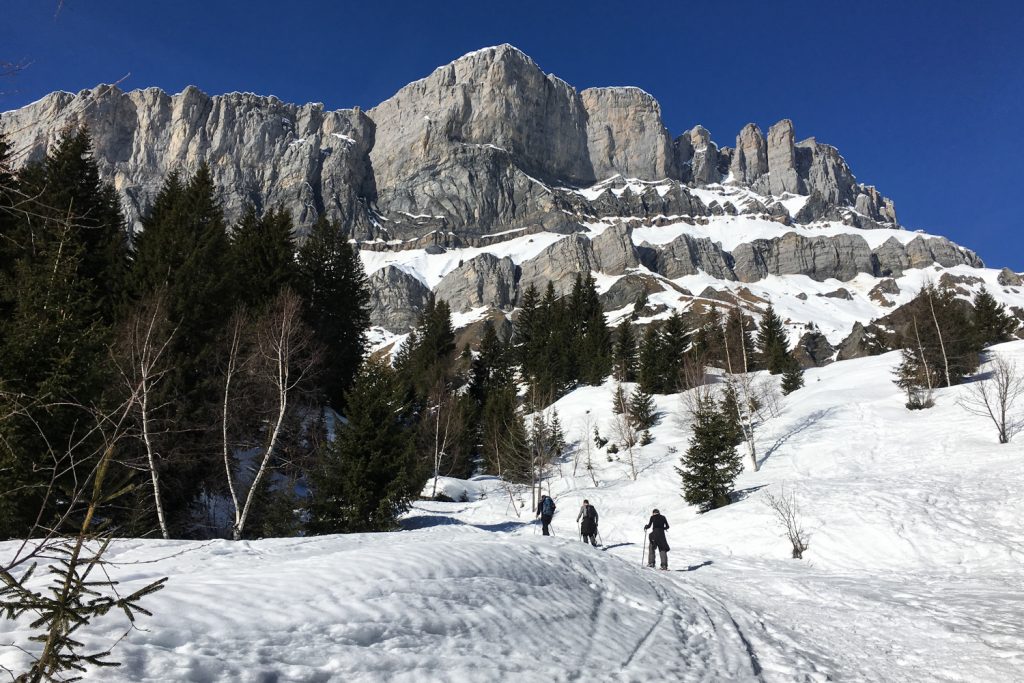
{"x": 941, "y": 332}
{"x": 262, "y": 256}
{"x": 992, "y": 324}
{"x": 709, "y": 340}
{"x": 620, "y": 404}
{"x": 711, "y": 463}
{"x": 624, "y": 354}
{"x": 916, "y": 378}
{"x": 65, "y": 189}
{"x": 641, "y": 408}
{"x": 675, "y": 341}
{"x": 333, "y": 284}
{"x": 739, "y": 342}
{"x": 366, "y": 477}
{"x": 654, "y": 363}
{"x": 792, "y": 376}
{"x": 772, "y": 342}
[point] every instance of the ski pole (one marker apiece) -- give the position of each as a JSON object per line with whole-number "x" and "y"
{"x": 643, "y": 557}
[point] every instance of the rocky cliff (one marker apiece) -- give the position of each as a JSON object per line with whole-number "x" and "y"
{"x": 490, "y": 149}
{"x": 486, "y": 144}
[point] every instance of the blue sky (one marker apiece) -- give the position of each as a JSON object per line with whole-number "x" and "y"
{"x": 925, "y": 99}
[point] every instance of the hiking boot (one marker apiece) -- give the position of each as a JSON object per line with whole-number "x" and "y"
{"x": 664, "y": 569}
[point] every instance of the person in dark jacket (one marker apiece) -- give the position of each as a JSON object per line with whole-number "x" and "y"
{"x": 659, "y": 525}
{"x": 546, "y": 510}
{"x": 588, "y": 527}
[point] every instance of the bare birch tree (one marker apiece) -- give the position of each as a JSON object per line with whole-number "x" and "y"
{"x": 147, "y": 339}
{"x": 996, "y": 397}
{"x": 283, "y": 356}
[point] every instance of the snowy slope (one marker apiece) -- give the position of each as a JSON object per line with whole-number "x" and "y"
{"x": 913, "y": 574}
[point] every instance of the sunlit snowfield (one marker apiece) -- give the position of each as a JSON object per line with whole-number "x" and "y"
{"x": 914, "y": 572}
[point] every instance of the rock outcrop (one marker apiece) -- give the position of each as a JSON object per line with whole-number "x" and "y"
{"x": 396, "y": 299}
{"x": 260, "y": 150}
{"x": 482, "y": 281}
{"x": 626, "y": 136}
{"x": 750, "y": 158}
{"x": 783, "y": 176}
{"x": 686, "y": 255}
{"x": 820, "y": 258}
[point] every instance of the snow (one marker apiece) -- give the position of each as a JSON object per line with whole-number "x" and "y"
{"x": 913, "y": 573}
{"x": 431, "y": 268}
{"x": 731, "y": 231}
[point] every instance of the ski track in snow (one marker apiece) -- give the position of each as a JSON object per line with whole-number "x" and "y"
{"x": 914, "y": 570}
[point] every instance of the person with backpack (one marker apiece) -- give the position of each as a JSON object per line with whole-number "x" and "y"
{"x": 659, "y": 526}
{"x": 588, "y": 527}
{"x": 546, "y": 510}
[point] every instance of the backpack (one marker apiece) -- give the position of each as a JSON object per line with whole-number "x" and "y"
{"x": 547, "y": 506}
{"x": 589, "y": 513}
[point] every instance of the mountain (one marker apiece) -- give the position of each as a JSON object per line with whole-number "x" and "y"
{"x": 489, "y": 175}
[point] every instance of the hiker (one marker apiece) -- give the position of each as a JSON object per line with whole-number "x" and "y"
{"x": 546, "y": 510}
{"x": 658, "y": 542}
{"x": 588, "y": 527}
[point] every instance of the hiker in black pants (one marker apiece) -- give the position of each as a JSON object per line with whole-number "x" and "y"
{"x": 546, "y": 510}
{"x": 588, "y": 527}
{"x": 659, "y": 525}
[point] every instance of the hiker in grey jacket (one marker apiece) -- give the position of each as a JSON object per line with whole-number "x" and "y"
{"x": 659, "y": 526}
{"x": 588, "y": 527}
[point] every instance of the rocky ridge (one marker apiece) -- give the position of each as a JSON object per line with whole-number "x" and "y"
{"x": 488, "y": 150}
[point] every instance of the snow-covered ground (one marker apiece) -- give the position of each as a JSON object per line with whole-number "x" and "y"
{"x": 914, "y": 571}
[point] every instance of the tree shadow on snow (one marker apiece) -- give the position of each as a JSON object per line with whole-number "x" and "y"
{"x": 743, "y": 494}
{"x": 428, "y": 521}
{"x": 616, "y": 545}
{"x": 803, "y": 425}
{"x": 695, "y": 567}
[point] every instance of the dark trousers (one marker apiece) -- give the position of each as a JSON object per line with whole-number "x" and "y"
{"x": 545, "y": 521}
{"x": 663, "y": 553}
{"x": 592, "y": 539}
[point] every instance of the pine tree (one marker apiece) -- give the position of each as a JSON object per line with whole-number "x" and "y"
{"x": 641, "y": 408}
{"x": 992, "y": 324}
{"x": 654, "y": 373}
{"x": 593, "y": 347}
{"x": 740, "y": 344}
{"x": 772, "y": 342}
{"x": 65, "y": 189}
{"x": 262, "y": 256}
{"x": 675, "y": 341}
{"x": 333, "y": 284}
{"x": 711, "y": 463}
{"x": 624, "y": 354}
{"x": 365, "y": 479}
{"x": 792, "y": 376}
{"x": 620, "y": 404}
{"x": 709, "y": 340}
{"x": 916, "y": 378}
{"x": 940, "y": 330}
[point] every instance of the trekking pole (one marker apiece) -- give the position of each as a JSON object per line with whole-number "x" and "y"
{"x": 643, "y": 557}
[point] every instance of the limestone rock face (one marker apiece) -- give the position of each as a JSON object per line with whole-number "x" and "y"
{"x": 893, "y": 258}
{"x": 824, "y": 171}
{"x": 820, "y": 258}
{"x": 704, "y": 162}
{"x": 1008, "y": 278}
{"x": 558, "y": 264}
{"x": 686, "y": 255}
{"x": 750, "y": 158}
{"x": 482, "y": 281}
{"x": 493, "y": 97}
{"x": 396, "y": 299}
{"x": 782, "y": 171}
{"x": 613, "y": 250}
{"x": 626, "y": 136}
{"x": 260, "y": 150}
